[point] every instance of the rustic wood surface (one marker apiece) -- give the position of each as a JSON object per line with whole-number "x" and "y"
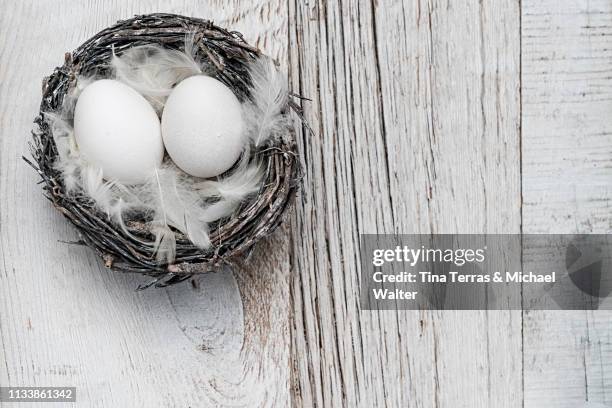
{"x": 64, "y": 319}
{"x": 417, "y": 107}
{"x": 567, "y": 185}
{"x": 429, "y": 116}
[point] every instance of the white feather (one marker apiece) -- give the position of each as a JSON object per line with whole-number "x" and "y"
{"x": 179, "y": 205}
{"x": 230, "y": 191}
{"x": 219, "y": 210}
{"x": 269, "y": 97}
{"x": 69, "y": 163}
{"x": 153, "y": 70}
{"x": 245, "y": 180}
{"x": 164, "y": 245}
{"x": 96, "y": 188}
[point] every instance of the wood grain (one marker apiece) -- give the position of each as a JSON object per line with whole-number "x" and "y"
{"x": 567, "y": 185}
{"x": 429, "y": 116}
{"x": 416, "y": 110}
{"x": 64, "y": 319}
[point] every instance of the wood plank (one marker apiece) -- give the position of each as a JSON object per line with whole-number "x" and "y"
{"x": 567, "y": 184}
{"x": 416, "y": 113}
{"x": 64, "y": 319}
{"x": 416, "y": 109}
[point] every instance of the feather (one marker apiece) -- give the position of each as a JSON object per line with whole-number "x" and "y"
{"x": 269, "y": 97}
{"x": 165, "y": 244}
{"x": 96, "y": 188}
{"x": 180, "y": 206}
{"x": 153, "y": 70}
{"x": 231, "y": 190}
{"x": 68, "y": 162}
{"x": 245, "y": 180}
{"x": 71, "y": 97}
{"x": 219, "y": 210}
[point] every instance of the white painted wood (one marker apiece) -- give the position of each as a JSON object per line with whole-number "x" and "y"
{"x": 416, "y": 109}
{"x": 567, "y": 185}
{"x": 67, "y": 321}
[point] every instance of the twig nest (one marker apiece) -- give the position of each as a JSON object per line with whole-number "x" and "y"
{"x": 170, "y": 223}
{"x": 203, "y": 128}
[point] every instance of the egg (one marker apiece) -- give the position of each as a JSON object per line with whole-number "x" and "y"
{"x": 117, "y": 130}
{"x": 203, "y": 127}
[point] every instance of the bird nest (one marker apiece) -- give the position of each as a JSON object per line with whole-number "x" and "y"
{"x": 232, "y": 238}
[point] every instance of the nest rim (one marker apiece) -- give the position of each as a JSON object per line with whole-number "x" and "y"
{"x": 233, "y": 238}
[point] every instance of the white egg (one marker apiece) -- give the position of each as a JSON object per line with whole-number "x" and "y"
{"x": 202, "y": 126}
{"x": 117, "y": 130}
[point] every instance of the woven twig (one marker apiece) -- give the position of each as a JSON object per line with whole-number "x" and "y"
{"x": 232, "y": 238}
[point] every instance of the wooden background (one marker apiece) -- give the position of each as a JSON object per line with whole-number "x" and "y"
{"x": 430, "y": 116}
